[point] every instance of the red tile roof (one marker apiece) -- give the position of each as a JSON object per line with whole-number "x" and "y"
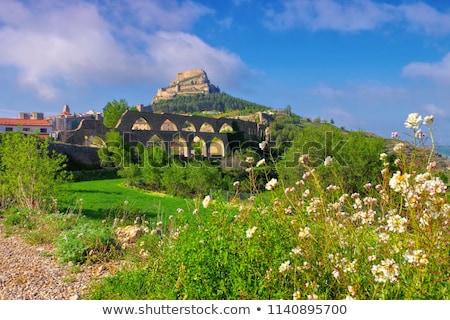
{"x": 24, "y": 122}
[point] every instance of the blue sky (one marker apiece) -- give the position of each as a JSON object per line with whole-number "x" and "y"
{"x": 365, "y": 64}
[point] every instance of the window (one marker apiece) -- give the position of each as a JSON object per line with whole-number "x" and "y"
{"x": 26, "y": 129}
{"x": 8, "y": 129}
{"x": 43, "y": 130}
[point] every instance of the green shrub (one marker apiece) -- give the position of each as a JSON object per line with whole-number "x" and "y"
{"x": 84, "y": 242}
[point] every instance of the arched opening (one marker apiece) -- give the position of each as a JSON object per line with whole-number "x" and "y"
{"x": 198, "y": 147}
{"x": 188, "y": 126}
{"x": 155, "y": 140}
{"x": 168, "y": 125}
{"x": 217, "y": 148}
{"x": 141, "y": 124}
{"x": 226, "y": 128}
{"x": 206, "y": 127}
{"x": 179, "y": 147}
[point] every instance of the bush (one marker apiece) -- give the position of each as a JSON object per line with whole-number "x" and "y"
{"x": 84, "y": 242}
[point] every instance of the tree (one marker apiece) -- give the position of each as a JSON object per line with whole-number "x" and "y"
{"x": 113, "y": 111}
{"x": 29, "y": 172}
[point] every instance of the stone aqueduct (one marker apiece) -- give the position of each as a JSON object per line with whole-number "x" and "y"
{"x": 181, "y": 135}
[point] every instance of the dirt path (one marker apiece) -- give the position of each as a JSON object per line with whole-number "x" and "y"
{"x": 32, "y": 273}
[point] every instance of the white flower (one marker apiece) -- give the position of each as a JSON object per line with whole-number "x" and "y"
{"x": 263, "y": 145}
{"x": 328, "y": 161}
{"x": 304, "y": 233}
{"x": 383, "y": 156}
{"x": 416, "y": 257}
{"x": 397, "y": 224}
{"x": 285, "y": 266}
{"x": 236, "y": 184}
{"x": 387, "y": 270}
{"x": 296, "y": 295}
{"x": 250, "y": 232}
{"x": 272, "y": 184}
{"x": 249, "y": 160}
{"x": 303, "y": 159}
{"x": 413, "y": 121}
{"x": 399, "y": 182}
{"x": 428, "y": 119}
{"x": 206, "y": 201}
{"x": 261, "y": 162}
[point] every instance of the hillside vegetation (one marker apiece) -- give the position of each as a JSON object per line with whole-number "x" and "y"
{"x": 218, "y": 102}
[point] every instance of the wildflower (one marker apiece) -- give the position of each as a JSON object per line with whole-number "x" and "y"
{"x": 195, "y": 211}
{"x": 399, "y": 147}
{"x": 428, "y": 119}
{"x": 296, "y": 295}
{"x": 399, "y": 182}
{"x": 413, "y": 121}
{"x": 372, "y": 258}
{"x": 416, "y": 257}
{"x": 328, "y": 161}
{"x": 261, "y": 162}
{"x": 431, "y": 166}
{"x": 420, "y": 134}
{"x": 248, "y": 170}
{"x": 236, "y": 184}
{"x": 306, "y": 193}
{"x": 250, "y": 232}
{"x": 125, "y": 203}
{"x": 249, "y": 160}
{"x": 206, "y": 201}
{"x": 397, "y": 224}
{"x": 383, "y": 237}
{"x": 336, "y": 273}
{"x": 296, "y": 251}
{"x": 304, "y": 233}
{"x": 285, "y": 266}
{"x": 387, "y": 270}
{"x": 303, "y": 159}
{"x": 395, "y": 135}
{"x": 351, "y": 290}
{"x": 312, "y": 297}
{"x": 368, "y": 186}
{"x": 289, "y": 190}
{"x": 179, "y": 210}
{"x": 272, "y": 184}
{"x": 383, "y": 156}
{"x": 263, "y": 145}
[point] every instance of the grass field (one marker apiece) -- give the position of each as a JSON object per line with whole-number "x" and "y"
{"x": 100, "y": 199}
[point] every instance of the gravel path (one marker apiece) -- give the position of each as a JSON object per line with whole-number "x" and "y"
{"x": 32, "y": 273}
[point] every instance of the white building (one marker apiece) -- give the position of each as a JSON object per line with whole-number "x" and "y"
{"x": 42, "y": 127}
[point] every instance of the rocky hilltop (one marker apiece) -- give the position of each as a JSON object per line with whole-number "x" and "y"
{"x": 187, "y": 83}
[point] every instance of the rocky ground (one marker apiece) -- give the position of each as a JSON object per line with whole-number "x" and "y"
{"x": 30, "y": 272}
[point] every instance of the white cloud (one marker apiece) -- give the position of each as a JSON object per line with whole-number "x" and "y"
{"x": 175, "y": 51}
{"x": 166, "y": 14}
{"x": 330, "y": 14}
{"x": 437, "y": 71}
{"x": 422, "y": 17}
{"x": 51, "y": 45}
{"x": 432, "y": 109}
{"x": 357, "y": 15}
{"x": 327, "y": 92}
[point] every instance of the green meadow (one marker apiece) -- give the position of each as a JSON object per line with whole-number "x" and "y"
{"x": 100, "y": 199}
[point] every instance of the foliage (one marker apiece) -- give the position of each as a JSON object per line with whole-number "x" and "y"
{"x": 113, "y": 111}
{"x": 30, "y": 173}
{"x": 306, "y": 240}
{"x": 84, "y": 242}
{"x": 114, "y": 153}
{"x": 220, "y": 102}
{"x": 354, "y": 154}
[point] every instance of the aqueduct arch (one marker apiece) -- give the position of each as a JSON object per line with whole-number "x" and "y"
{"x": 176, "y": 132}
